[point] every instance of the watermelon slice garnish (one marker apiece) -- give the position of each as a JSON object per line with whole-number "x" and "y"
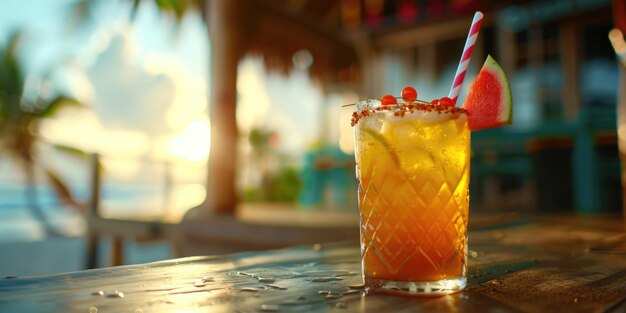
{"x": 489, "y": 102}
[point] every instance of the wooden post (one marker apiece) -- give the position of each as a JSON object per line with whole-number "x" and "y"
{"x": 619, "y": 19}
{"x": 621, "y": 131}
{"x": 507, "y": 49}
{"x": 117, "y": 250}
{"x": 570, "y": 63}
{"x": 225, "y": 24}
{"x": 93, "y": 235}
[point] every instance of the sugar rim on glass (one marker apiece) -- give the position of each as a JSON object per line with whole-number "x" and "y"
{"x": 401, "y": 109}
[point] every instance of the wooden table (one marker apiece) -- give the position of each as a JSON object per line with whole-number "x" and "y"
{"x": 550, "y": 265}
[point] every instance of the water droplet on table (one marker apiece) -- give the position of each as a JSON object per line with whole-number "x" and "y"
{"x": 277, "y": 287}
{"x": 325, "y": 279}
{"x": 332, "y": 296}
{"x": 93, "y": 309}
{"x": 207, "y": 279}
{"x": 266, "y": 280}
{"x": 116, "y": 294}
{"x": 98, "y": 293}
{"x": 323, "y": 292}
{"x": 245, "y": 274}
{"x": 270, "y": 308}
{"x": 250, "y": 289}
{"x": 199, "y": 284}
{"x": 350, "y": 292}
{"x": 357, "y": 286}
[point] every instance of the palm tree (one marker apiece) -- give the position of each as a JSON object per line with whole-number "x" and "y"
{"x": 19, "y": 120}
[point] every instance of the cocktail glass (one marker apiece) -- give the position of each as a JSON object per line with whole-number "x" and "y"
{"x": 413, "y": 170}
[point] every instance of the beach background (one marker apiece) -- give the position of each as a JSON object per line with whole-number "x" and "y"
{"x": 106, "y": 62}
{"x": 26, "y": 250}
{"x": 143, "y": 85}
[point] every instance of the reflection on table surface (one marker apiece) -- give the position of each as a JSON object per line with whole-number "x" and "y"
{"x": 551, "y": 264}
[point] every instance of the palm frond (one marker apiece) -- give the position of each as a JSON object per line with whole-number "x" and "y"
{"x": 134, "y": 10}
{"x": 61, "y": 189}
{"x": 11, "y": 76}
{"x": 55, "y": 105}
{"x": 11, "y": 82}
{"x": 71, "y": 150}
{"x": 175, "y": 7}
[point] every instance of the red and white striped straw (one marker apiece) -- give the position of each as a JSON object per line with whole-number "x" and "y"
{"x": 467, "y": 55}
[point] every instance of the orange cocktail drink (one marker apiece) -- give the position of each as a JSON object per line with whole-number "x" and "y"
{"x": 413, "y": 169}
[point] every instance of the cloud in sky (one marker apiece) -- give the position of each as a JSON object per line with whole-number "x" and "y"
{"x": 126, "y": 94}
{"x": 139, "y": 104}
{"x": 148, "y": 76}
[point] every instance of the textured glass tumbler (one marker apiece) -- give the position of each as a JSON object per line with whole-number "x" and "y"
{"x": 413, "y": 173}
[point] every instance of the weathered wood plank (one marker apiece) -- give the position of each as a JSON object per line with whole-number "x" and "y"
{"x": 523, "y": 268}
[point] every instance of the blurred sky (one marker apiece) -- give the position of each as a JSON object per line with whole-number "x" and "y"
{"x": 48, "y": 22}
{"x": 145, "y": 83}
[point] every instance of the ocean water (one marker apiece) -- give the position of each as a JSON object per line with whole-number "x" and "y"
{"x": 17, "y": 222}
{"x": 26, "y": 249}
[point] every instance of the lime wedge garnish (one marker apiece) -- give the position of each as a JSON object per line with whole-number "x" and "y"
{"x": 378, "y": 137}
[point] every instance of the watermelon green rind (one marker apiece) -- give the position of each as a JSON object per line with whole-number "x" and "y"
{"x": 489, "y": 102}
{"x": 506, "y": 116}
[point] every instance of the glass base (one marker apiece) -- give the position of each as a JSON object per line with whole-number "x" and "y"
{"x": 419, "y": 288}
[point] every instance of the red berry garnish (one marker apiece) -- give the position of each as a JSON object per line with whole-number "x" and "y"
{"x": 435, "y": 102}
{"x": 388, "y": 100}
{"x": 409, "y": 94}
{"x": 446, "y": 102}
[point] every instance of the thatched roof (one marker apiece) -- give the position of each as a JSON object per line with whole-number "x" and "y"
{"x": 277, "y": 35}
{"x": 276, "y": 29}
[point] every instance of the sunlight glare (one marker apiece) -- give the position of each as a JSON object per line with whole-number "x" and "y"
{"x": 193, "y": 144}
{"x": 87, "y": 133}
{"x": 346, "y": 136}
{"x": 254, "y": 102}
{"x": 190, "y": 98}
